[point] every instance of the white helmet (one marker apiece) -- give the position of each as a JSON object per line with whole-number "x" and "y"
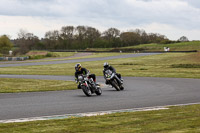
{"x": 105, "y": 65}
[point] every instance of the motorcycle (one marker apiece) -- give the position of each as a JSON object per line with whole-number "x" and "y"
{"x": 88, "y": 86}
{"x": 113, "y": 80}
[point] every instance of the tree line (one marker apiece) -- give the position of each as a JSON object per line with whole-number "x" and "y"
{"x": 82, "y": 37}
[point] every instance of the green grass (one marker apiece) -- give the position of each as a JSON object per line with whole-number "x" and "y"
{"x": 50, "y": 54}
{"x": 63, "y": 54}
{"x": 186, "y": 66}
{"x": 182, "y": 46}
{"x": 66, "y": 54}
{"x": 9, "y": 85}
{"x": 182, "y": 119}
{"x": 146, "y": 66}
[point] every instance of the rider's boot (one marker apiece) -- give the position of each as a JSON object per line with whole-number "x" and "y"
{"x": 106, "y": 82}
{"x": 79, "y": 86}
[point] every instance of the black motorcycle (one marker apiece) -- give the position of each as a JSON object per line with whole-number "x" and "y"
{"x": 88, "y": 86}
{"x": 114, "y": 80}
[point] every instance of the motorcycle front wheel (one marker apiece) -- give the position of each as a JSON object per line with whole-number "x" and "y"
{"x": 115, "y": 84}
{"x": 98, "y": 91}
{"x": 122, "y": 87}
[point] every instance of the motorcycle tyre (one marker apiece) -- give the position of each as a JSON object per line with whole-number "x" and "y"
{"x": 98, "y": 91}
{"x": 122, "y": 87}
{"x": 115, "y": 85}
{"x": 86, "y": 90}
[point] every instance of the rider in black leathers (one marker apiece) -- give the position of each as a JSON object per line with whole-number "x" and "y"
{"x": 84, "y": 71}
{"x": 106, "y": 67}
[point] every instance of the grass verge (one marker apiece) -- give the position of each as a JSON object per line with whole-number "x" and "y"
{"x": 9, "y": 85}
{"x": 186, "y": 66}
{"x": 146, "y": 66}
{"x": 177, "y": 119}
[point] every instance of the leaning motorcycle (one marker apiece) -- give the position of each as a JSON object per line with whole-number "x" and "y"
{"x": 113, "y": 80}
{"x": 88, "y": 86}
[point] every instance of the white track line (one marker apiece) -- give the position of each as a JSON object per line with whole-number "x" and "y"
{"x": 91, "y": 113}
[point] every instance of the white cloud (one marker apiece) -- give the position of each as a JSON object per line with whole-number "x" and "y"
{"x": 171, "y": 32}
{"x": 40, "y": 16}
{"x": 38, "y": 26}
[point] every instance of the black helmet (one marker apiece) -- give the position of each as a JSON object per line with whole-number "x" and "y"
{"x": 106, "y": 65}
{"x": 78, "y": 67}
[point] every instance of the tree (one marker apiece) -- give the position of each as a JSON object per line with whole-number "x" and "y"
{"x": 80, "y": 37}
{"x": 52, "y": 39}
{"x": 92, "y": 35}
{"x": 26, "y": 41}
{"x": 183, "y": 39}
{"x": 112, "y": 35}
{"x": 130, "y": 38}
{"x": 5, "y": 44}
{"x": 67, "y": 36}
{"x": 67, "y": 32}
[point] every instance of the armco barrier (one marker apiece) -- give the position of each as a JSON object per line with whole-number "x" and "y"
{"x": 13, "y": 58}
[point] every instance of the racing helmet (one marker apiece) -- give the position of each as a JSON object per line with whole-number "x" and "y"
{"x": 106, "y": 65}
{"x": 78, "y": 67}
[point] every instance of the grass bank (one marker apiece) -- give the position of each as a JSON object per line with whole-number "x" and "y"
{"x": 182, "y": 46}
{"x": 182, "y": 119}
{"x": 46, "y": 54}
{"x": 161, "y": 65}
{"x": 10, "y": 85}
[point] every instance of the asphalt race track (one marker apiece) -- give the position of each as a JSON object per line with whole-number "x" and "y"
{"x": 139, "y": 92}
{"x": 76, "y": 60}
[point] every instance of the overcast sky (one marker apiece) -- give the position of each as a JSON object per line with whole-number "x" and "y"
{"x": 173, "y": 18}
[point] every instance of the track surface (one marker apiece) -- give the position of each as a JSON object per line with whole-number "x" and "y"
{"x": 77, "y": 60}
{"x": 139, "y": 92}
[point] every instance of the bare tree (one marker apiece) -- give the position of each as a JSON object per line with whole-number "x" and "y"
{"x": 52, "y": 39}
{"x": 67, "y": 36}
{"x": 67, "y": 32}
{"x": 26, "y": 41}
{"x": 183, "y": 39}
{"x": 111, "y": 33}
{"x": 92, "y": 34}
{"x": 22, "y": 33}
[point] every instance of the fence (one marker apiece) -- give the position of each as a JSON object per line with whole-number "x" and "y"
{"x": 13, "y": 58}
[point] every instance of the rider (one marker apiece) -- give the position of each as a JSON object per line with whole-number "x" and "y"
{"x": 84, "y": 71}
{"x": 109, "y": 67}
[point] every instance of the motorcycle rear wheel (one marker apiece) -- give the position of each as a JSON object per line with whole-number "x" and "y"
{"x": 86, "y": 90}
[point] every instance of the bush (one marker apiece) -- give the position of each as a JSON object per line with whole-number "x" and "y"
{"x": 36, "y": 56}
{"x": 50, "y": 55}
{"x": 5, "y": 44}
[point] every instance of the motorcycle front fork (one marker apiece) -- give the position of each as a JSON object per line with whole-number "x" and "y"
{"x": 118, "y": 80}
